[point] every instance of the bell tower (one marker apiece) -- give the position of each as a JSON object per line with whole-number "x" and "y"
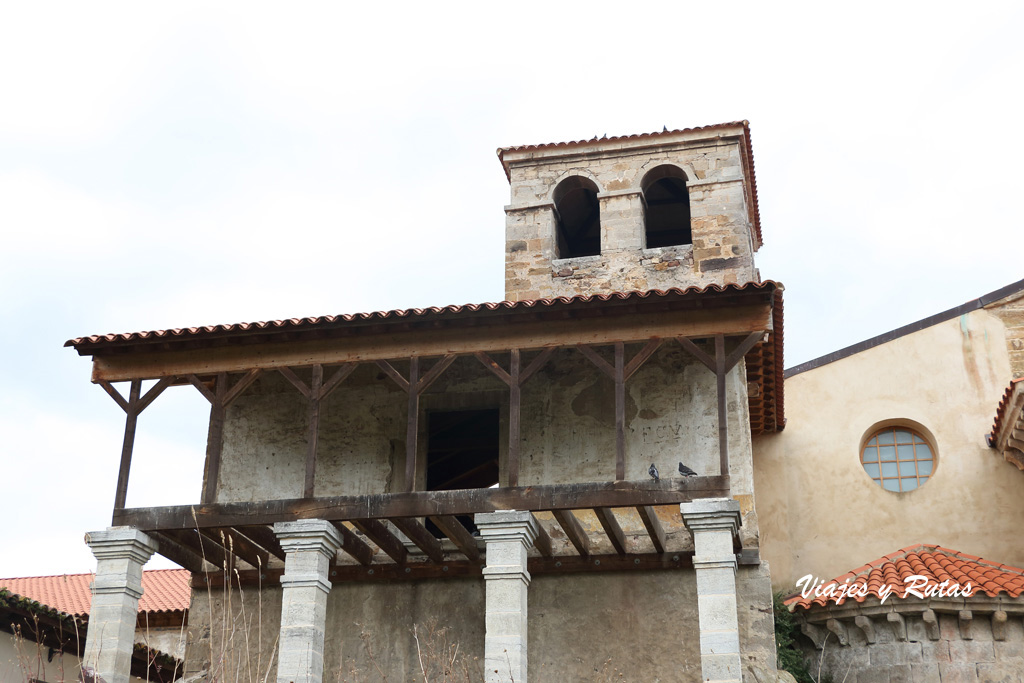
{"x": 631, "y": 213}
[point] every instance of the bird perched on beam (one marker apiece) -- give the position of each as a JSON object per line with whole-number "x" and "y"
{"x": 653, "y": 471}
{"x": 686, "y": 471}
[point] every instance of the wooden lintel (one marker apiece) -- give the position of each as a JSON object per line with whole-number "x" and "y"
{"x": 458, "y": 535}
{"x": 382, "y": 536}
{"x": 575, "y": 533}
{"x": 418, "y": 534}
{"x": 653, "y": 526}
{"x": 434, "y": 342}
{"x": 353, "y": 545}
{"x": 427, "y": 503}
{"x": 612, "y": 528}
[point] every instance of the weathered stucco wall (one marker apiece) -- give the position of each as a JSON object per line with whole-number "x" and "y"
{"x": 819, "y": 511}
{"x": 23, "y": 660}
{"x": 583, "y": 627}
{"x": 722, "y": 250}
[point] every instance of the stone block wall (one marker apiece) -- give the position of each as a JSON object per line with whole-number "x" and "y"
{"x": 583, "y": 627}
{"x": 723, "y": 245}
{"x": 1011, "y": 312}
{"x": 935, "y": 652}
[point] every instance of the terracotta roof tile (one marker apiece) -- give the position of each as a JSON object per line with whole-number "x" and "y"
{"x": 164, "y": 590}
{"x": 330, "y": 321}
{"x": 934, "y": 562}
{"x": 1004, "y": 404}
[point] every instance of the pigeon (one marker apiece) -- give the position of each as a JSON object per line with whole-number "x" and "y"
{"x": 686, "y": 471}
{"x": 664, "y": 129}
{"x": 653, "y": 471}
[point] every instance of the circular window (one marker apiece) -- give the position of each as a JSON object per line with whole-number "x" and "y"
{"x": 898, "y": 459}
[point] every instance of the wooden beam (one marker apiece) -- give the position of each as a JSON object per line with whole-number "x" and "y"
{"x": 742, "y": 350}
{"x": 382, "y": 344}
{"x": 179, "y": 554}
{"x": 191, "y": 540}
{"x": 708, "y": 361}
{"x": 426, "y": 503}
{"x": 418, "y": 534}
{"x": 458, "y": 535}
{"x": 238, "y": 544}
{"x": 395, "y": 375}
{"x": 382, "y": 536}
{"x": 612, "y": 528}
{"x": 536, "y": 364}
{"x": 642, "y": 357}
{"x": 457, "y": 569}
{"x": 595, "y": 358}
{"x": 434, "y": 373}
{"x": 353, "y": 545}
{"x": 340, "y": 375}
{"x": 571, "y": 526}
{"x": 543, "y": 541}
{"x": 215, "y": 439}
{"x": 653, "y": 526}
{"x": 493, "y": 366}
{"x": 266, "y": 538}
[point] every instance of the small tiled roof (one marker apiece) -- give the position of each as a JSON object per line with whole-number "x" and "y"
{"x": 932, "y": 561}
{"x": 85, "y": 345}
{"x": 164, "y": 590}
{"x": 748, "y": 152}
{"x": 1004, "y": 403}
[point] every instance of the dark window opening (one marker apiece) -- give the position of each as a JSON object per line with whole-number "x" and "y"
{"x": 578, "y": 218}
{"x": 666, "y": 208}
{"x": 462, "y": 453}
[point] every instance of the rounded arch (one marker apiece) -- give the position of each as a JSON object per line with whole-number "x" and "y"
{"x": 666, "y": 207}
{"x": 688, "y": 173}
{"x": 581, "y": 173}
{"x": 577, "y": 217}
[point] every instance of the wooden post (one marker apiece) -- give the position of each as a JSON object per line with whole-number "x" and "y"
{"x": 316, "y": 384}
{"x": 723, "y": 414}
{"x": 132, "y": 408}
{"x": 128, "y": 445}
{"x": 412, "y": 426}
{"x": 620, "y": 412}
{"x": 514, "y": 418}
{"x": 220, "y": 398}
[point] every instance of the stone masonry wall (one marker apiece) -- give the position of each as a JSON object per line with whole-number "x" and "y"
{"x": 583, "y": 627}
{"x": 722, "y": 250}
{"x": 1011, "y": 311}
{"x": 943, "y": 656}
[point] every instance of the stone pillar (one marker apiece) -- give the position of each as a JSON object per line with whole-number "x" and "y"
{"x": 120, "y": 553}
{"x": 309, "y": 546}
{"x": 714, "y": 523}
{"x": 508, "y": 536}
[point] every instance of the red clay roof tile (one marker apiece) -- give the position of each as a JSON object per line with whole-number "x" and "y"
{"x": 164, "y": 590}
{"x": 931, "y": 561}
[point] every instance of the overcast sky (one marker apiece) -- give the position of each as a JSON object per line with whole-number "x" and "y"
{"x": 179, "y": 164}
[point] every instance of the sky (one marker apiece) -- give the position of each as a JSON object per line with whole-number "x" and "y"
{"x": 178, "y": 164}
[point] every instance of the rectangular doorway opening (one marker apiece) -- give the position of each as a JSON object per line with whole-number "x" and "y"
{"x": 462, "y": 453}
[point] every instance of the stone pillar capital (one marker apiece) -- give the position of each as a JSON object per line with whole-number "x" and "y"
{"x": 314, "y": 535}
{"x": 121, "y": 543}
{"x": 712, "y": 514}
{"x": 507, "y": 525}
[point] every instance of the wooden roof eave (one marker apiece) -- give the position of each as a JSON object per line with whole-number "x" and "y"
{"x": 739, "y": 315}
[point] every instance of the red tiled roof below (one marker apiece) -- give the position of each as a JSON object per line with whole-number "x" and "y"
{"x": 164, "y": 590}
{"x": 1004, "y": 404}
{"x": 935, "y": 563}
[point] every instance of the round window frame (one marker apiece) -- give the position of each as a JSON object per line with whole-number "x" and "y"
{"x": 912, "y": 426}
